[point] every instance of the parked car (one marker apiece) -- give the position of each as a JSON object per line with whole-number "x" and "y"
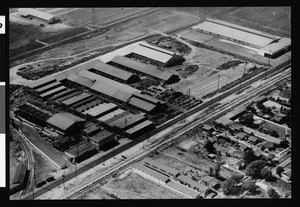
{"x": 49, "y": 179}
{"x": 40, "y": 184}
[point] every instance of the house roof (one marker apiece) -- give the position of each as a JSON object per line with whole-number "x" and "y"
{"x": 234, "y": 161}
{"x": 63, "y": 120}
{"x": 207, "y": 127}
{"x": 241, "y": 134}
{"x": 253, "y": 138}
{"x": 268, "y": 144}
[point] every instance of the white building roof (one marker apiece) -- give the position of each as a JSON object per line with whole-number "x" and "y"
{"x": 36, "y": 13}
{"x": 95, "y": 111}
{"x": 154, "y": 53}
{"x": 235, "y": 33}
{"x": 276, "y": 47}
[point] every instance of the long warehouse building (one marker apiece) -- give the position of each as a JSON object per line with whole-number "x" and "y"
{"x": 145, "y": 69}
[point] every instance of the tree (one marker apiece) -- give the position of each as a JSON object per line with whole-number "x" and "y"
{"x": 254, "y": 168}
{"x": 249, "y": 156}
{"x": 272, "y": 193}
{"x": 230, "y": 187}
{"x": 217, "y": 169}
{"x": 237, "y": 178}
{"x": 284, "y": 144}
{"x": 279, "y": 170}
{"x": 250, "y": 186}
{"x": 209, "y": 146}
{"x": 266, "y": 174}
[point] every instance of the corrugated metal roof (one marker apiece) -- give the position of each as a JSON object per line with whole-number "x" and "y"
{"x": 80, "y": 80}
{"x": 63, "y": 120}
{"x": 141, "y": 104}
{"x": 113, "y": 71}
{"x": 141, "y": 67}
{"x": 110, "y": 115}
{"x": 276, "y": 46}
{"x": 102, "y": 135}
{"x": 97, "y": 110}
{"x": 234, "y": 33}
{"x": 75, "y": 99}
{"x": 36, "y": 13}
{"x": 139, "y": 127}
{"x": 69, "y": 91}
{"x": 145, "y": 44}
{"x": 65, "y": 97}
{"x": 84, "y": 101}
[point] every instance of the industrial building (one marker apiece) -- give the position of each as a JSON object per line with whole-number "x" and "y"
{"x": 140, "y": 129}
{"x": 67, "y": 96}
{"x": 193, "y": 184}
{"x": 265, "y": 44}
{"x": 40, "y": 83}
{"x": 144, "y": 69}
{"x": 156, "y": 55}
{"x": 66, "y": 123}
{"x": 79, "y": 80}
{"x": 112, "y": 114}
{"x": 161, "y": 167}
{"x": 91, "y": 130}
{"x": 30, "y": 13}
{"x": 20, "y": 179}
{"x": 147, "y": 103}
{"x": 101, "y": 138}
{"x": 48, "y": 87}
{"x": 127, "y": 121}
{"x": 53, "y": 92}
{"x": 76, "y": 99}
{"x": 101, "y": 110}
{"x": 114, "y": 73}
{"x": 80, "y": 152}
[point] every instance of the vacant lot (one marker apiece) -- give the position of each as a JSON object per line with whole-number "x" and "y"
{"x": 135, "y": 186}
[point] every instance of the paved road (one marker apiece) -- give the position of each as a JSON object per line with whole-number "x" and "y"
{"x": 110, "y": 153}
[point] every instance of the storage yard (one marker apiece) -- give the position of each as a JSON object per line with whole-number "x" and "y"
{"x": 113, "y": 91}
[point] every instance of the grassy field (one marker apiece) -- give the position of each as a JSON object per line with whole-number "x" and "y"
{"x": 135, "y": 186}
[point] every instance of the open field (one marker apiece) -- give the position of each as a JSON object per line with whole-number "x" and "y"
{"x": 134, "y": 186}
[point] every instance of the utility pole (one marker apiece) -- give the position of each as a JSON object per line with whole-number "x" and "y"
{"x": 63, "y": 177}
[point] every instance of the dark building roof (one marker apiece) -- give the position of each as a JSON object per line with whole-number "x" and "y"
{"x": 20, "y": 174}
{"x": 63, "y": 93}
{"x": 80, "y": 149}
{"x": 102, "y": 135}
{"x": 147, "y": 98}
{"x": 142, "y": 68}
{"x": 112, "y": 71}
{"x": 63, "y": 120}
{"x": 92, "y": 129}
{"x": 84, "y": 101}
{"x": 67, "y": 96}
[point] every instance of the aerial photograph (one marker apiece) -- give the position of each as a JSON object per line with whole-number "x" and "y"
{"x": 149, "y": 103}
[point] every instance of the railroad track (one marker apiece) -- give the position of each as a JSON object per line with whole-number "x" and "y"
{"x": 110, "y": 154}
{"x": 181, "y": 133}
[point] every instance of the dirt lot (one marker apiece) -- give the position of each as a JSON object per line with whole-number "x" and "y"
{"x": 135, "y": 186}
{"x": 17, "y": 156}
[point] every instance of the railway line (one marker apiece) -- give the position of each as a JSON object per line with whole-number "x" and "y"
{"x": 119, "y": 150}
{"x": 189, "y": 129}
